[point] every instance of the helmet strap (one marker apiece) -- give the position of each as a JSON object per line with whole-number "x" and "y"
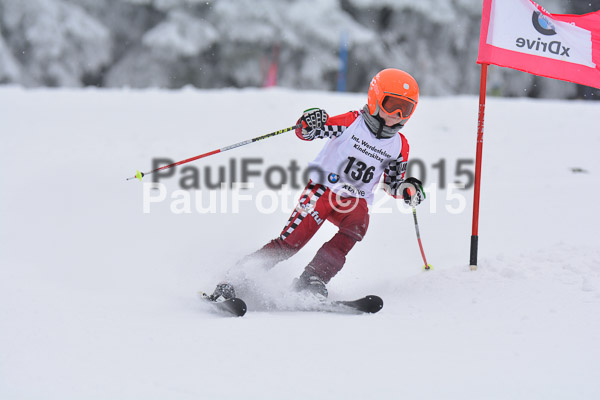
{"x": 381, "y": 125}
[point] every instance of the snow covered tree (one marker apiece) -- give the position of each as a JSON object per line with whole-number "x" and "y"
{"x": 230, "y": 43}
{"x": 10, "y": 70}
{"x": 55, "y": 42}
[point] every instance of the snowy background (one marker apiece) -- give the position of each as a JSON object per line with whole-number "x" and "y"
{"x": 98, "y": 299}
{"x": 231, "y": 43}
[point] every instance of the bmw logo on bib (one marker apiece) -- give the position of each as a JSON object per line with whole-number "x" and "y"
{"x": 333, "y": 178}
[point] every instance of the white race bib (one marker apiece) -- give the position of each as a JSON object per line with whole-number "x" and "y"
{"x": 352, "y": 164}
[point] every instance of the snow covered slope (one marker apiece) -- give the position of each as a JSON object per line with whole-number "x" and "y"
{"x": 97, "y": 298}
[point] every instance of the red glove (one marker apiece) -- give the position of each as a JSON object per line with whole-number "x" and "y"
{"x": 412, "y": 191}
{"x": 312, "y": 120}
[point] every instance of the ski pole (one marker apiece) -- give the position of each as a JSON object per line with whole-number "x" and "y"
{"x": 426, "y": 266}
{"x": 139, "y": 175}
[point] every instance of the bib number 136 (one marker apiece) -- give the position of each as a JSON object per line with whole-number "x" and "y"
{"x": 361, "y": 172}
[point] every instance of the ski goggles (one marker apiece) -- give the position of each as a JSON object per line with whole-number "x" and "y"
{"x": 393, "y": 103}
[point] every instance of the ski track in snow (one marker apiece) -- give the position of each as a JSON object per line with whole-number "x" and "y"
{"x": 98, "y": 300}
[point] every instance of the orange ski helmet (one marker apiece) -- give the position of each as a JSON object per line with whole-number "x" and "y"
{"x": 393, "y": 91}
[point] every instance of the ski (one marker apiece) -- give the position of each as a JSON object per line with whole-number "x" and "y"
{"x": 235, "y": 306}
{"x": 365, "y": 305}
{"x": 368, "y": 304}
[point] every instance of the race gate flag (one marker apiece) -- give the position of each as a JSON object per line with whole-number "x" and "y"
{"x": 521, "y": 34}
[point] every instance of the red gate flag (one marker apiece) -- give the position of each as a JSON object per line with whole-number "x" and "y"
{"x": 521, "y": 34}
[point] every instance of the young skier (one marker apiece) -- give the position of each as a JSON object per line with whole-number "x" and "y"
{"x": 362, "y": 147}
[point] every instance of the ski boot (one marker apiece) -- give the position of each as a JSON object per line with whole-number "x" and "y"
{"x": 223, "y": 291}
{"x": 310, "y": 283}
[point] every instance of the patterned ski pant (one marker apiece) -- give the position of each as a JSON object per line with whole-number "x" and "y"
{"x": 316, "y": 205}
